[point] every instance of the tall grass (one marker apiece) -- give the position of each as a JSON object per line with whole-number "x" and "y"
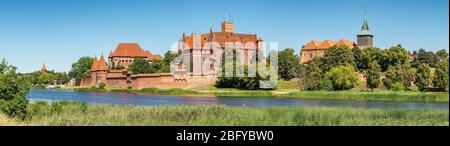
{"x": 439, "y": 97}
{"x": 216, "y": 115}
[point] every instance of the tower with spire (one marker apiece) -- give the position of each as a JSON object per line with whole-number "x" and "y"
{"x": 365, "y": 37}
{"x": 43, "y": 68}
{"x": 227, "y": 24}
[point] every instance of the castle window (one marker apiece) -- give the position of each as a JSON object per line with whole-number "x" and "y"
{"x": 310, "y": 55}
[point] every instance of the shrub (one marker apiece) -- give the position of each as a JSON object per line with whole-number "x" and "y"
{"x": 397, "y": 86}
{"x": 342, "y": 77}
{"x": 101, "y": 85}
{"x": 13, "y": 91}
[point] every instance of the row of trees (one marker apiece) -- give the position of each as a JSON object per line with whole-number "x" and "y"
{"x": 332, "y": 71}
{"x": 49, "y": 77}
{"x": 394, "y": 63}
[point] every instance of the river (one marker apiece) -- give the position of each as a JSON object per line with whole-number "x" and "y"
{"x": 146, "y": 99}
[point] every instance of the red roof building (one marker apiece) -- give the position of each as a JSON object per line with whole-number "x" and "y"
{"x": 125, "y": 54}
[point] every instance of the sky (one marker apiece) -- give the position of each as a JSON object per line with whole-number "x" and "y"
{"x": 58, "y": 32}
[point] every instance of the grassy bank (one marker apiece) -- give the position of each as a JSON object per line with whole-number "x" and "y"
{"x": 407, "y": 96}
{"x": 67, "y": 113}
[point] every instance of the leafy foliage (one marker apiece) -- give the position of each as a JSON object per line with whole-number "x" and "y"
{"x": 398, "y": 74}
{"x": 140, "y": 66}
{"x": 342, "y": 77}
{"x": 81, "y": 68}
{"x": 13, "y": 91}
{"x": 337, "y": 56}
{"x": 423, "y": 76}
{"x": 441, "y": 76}
{"x": 373, "y": 75}
{"x": 286, "y": 63}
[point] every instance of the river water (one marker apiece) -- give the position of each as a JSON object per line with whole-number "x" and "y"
{"x": 146, "y": 99}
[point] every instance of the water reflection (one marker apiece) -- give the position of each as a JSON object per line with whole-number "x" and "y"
{"x": 145, "y": 99}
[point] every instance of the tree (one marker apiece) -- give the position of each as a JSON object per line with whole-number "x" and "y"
{"x": 140, "y": 66}
{"x": 81, "y": 68}
{"x": 423, "y": 76}
{"x": 441, "y": 76}
{"x": 400, "y": 73}
{"x": 368, "y": 55}
{"x": 342, "y": 77}
{"x": 427, "y": 57}
{"x": 156, "y": 66}
{"x": 311, "y": 77}
{"x": 286, "y": 63}
{"x": 373, "y": 75}
{"x": 357, "y": 54}
{"x": 168, "y": 58}
{"x": 337, "y": 56}
{"x": 442, "y": 54}
{"x": 13, "y": 91}
{"x": 394, "y": 56}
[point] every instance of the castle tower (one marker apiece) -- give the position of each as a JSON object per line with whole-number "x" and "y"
{"x": 43, "y": 68}
{"x": 365, "y": 37}
{"x": 227, "y": 25}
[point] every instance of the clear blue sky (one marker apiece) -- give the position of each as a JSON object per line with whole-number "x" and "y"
{"x": 58, "y": 32}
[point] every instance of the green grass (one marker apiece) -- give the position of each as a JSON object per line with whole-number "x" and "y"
{"x": 440, "y": 97}
{"x": 68, "y": 113}
{"x": 377, "y": 95}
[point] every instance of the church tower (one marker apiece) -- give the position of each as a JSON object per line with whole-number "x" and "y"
{"x": 227, "y": 25}
{"x": 365, "y": 37}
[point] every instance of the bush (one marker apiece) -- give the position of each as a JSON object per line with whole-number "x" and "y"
{"x": 397, "y": 86}
{"x": 13, "y": 91}
{"x": 342, "y": 77}
{"x": 101, "y": 85}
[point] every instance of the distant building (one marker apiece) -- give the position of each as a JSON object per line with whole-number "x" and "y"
{"x": 43, "y": 68}
{"x": 317, "y": 49}
{"x": 125, "y": 54}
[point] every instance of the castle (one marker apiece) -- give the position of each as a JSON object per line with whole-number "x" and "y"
{"x": 203, "y": 50}
{"x": 317, "y": 49}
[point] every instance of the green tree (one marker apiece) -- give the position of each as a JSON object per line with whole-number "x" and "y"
{"x": 442, "y": 54}
{"x": 423, "y": 76}
{"x": 156, "y": 66}
{"x": 311, "y": 77}
{"x": 13, "y": 91}
{"x": 394, "y": 56}
{"x": 342, "y": 77}
{"x": 140, "y": 66}
{"x": 368, "y": 55}
{"x": 399, "y": 73}
{"x": 441, "y": 76}
{"x": 357, "y": 54}
{"x": 337, "y": 56}
{"x": 81, "y": 68}
{"x": 427, "y": 57}
{"x": 373, "y": 75}
{"x": 286, "y": 63}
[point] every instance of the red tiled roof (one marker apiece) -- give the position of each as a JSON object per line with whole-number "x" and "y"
{"x": 102, "y": 64}
{"x": 312, "y": 45}
{"x": 133, "y": 50}
{"x": 94, "y": 64}
{"x": 221, "y": 38}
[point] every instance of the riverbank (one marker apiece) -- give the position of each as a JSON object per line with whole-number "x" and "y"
{"x": 391, "y": 96}
{"x": 78, "y": 114}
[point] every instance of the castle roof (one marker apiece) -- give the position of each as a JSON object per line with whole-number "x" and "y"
{"x": 317, "y": 45}
{"x": 102, "y": 64}
{"x": 94, "y": 64}
{"x": 221, "y": 38}
{"x": 133, "y": 50}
